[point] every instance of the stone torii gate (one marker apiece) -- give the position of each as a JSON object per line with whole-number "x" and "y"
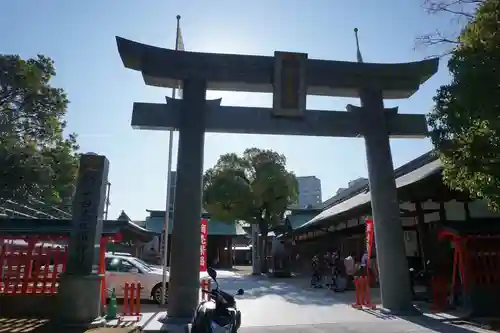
{"x": 290, "y": 77}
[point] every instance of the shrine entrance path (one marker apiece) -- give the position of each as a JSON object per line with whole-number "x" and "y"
{"x": 279, "y": 305}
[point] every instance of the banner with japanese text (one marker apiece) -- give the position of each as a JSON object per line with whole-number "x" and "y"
{"x": 369, "y": 234}
{"x": 203, "y": 245}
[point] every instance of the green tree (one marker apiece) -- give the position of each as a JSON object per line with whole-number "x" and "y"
{"x": 465, "y": 122}
{"x": 36, "y": 160}
{"x": 255, "y": 187}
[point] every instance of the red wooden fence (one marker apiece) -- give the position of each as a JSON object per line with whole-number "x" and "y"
{"x": 476, "y": 259}
{"x": 31, "y": 265}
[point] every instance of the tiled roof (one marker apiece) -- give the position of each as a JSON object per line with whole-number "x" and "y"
{"x": 215, "y": 227}
{"x": 123, "y": 216}
{"x": 362, "y": 186}
{"x": 359, "y": 195}
{"x": 140, "y": 223}
{"x": 297, "y": 220}
{"x": 63, "y": 227}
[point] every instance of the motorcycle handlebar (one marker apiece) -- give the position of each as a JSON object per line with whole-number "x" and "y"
{"x": 211, "y": 292}
{"x": 207, "y": 292}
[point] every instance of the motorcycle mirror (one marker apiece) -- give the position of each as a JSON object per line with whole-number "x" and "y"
{"x": 212, "y": 273}
{"x": 240, "y": 292}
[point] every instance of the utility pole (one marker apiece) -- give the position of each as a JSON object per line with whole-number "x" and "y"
{"x": 107, "y": 203}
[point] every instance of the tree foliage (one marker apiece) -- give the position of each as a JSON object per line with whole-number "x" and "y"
{"x": 465, "y": 120}
{"x": 36, "y": 160}
{"x": 255, "y": 187}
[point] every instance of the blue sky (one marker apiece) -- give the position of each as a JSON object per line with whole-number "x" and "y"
{"x": 80, "y": 37}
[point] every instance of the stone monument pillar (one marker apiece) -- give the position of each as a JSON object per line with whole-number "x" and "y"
{"x": 79, "y": 292}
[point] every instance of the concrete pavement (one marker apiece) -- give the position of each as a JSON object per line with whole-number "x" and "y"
{"x": 278, "y": 305}
{"x": 355, "y": 327}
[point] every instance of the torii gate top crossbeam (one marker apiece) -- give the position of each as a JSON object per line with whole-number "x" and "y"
{"x": 229, "y": 72}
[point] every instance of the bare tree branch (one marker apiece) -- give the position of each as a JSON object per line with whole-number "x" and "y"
{"x": 461, "y": 13}
{"x": 464, "y": 8}
{"x": 437, "y": 39}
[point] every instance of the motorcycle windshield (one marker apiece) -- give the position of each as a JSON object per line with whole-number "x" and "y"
{"x": 216, "y": 328}
{"x": 228, "y": 298}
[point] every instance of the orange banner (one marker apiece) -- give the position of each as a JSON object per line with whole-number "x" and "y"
{"x": 369, "y": 234}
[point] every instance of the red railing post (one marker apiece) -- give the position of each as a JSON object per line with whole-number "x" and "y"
{"x": 138, "y": 299}
{"x": 102, "y": 269}
{"x": 125, "y": 297}
{"x": 17, "y": 276}
{"x": 54, "y": 281}
{"x": 46, "y": 269}
{"x": 131, "y": 301}
{"x": 2, "y": 265}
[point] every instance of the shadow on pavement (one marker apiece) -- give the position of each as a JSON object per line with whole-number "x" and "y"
{"x": 295, "y": 290}
{"x": 22, "y": 324}
{"x": 379, "y": 315}
{"x": 438, "y": 325}
{"x": 259, "y": 286}
{"x": 247, "y": 270}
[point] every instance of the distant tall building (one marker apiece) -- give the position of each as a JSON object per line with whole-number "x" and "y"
{"x": 309, "y": 191}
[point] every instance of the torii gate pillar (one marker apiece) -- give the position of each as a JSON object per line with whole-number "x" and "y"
{"x": 389, "y": 236}
{"x": 185, "y": 248}
{"x": 290, "y": 77}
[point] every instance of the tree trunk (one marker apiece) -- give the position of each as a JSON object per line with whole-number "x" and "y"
{"x": 264, "y": 229}
{"x": 255, "y": 250}
{"x": 265, "y": 268}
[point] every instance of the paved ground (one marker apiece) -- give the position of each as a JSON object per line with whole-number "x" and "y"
{"x": 279, "y": 305}
{"x": 382, "y": 327}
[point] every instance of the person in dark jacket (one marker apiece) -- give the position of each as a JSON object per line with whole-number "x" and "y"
{"x": 316, "y": 272}
{"x": 340, "y": 274}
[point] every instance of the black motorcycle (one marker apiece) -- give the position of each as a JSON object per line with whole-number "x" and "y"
{"x": 219, "y": 314}
{"x": 420, "y": 283}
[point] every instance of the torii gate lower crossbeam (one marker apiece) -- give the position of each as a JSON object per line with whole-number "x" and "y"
{"x": 259, "y": 120}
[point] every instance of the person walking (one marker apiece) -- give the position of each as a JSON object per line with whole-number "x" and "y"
{"x": 364, "y": 259}
{"x": 341, "y": 276}
{"x": 350, "y": 268}
{"x": 315, "y": 272}
{"x": 327, "y": 270}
